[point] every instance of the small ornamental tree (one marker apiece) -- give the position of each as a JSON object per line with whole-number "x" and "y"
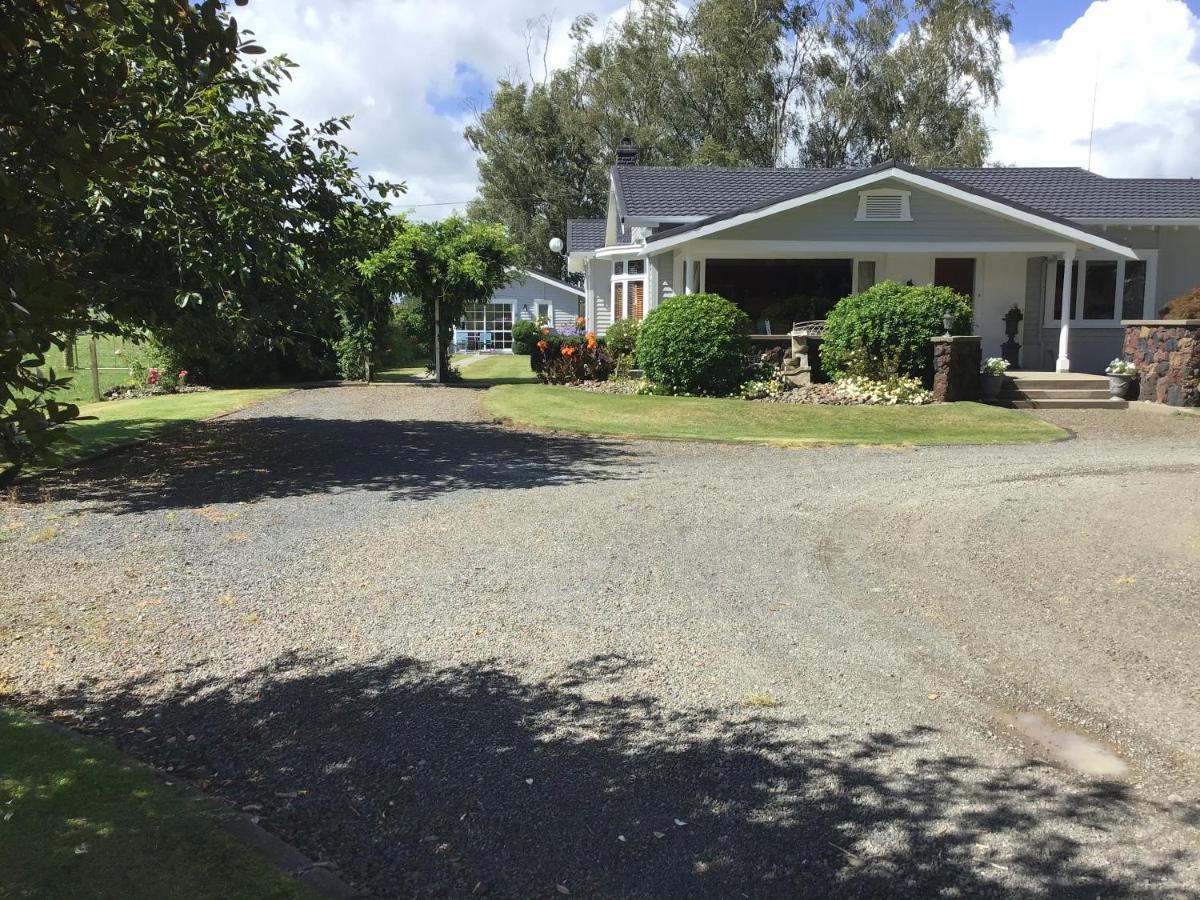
{"x": 694, "y": 344}
{"x": 887, "y": 329}
{"x": 442, "y": 267}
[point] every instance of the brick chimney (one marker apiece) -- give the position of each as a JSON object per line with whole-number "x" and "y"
{"x": 627, "y": 153}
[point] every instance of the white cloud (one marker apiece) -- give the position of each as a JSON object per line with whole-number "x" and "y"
{"x": 399, "y": 67}
{"x": 384, "y": 60}
{"x": 1143, "y": 56}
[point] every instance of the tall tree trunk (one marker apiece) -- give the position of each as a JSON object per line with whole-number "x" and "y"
{"x": 437, "y": 337}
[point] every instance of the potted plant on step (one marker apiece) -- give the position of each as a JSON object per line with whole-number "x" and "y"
{"x": 991, "y": 376}
{"x": 1120, "y": 374}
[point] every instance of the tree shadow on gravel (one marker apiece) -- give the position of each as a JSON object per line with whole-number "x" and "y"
{"x": 248, "y": 459}
{"x": 474, "y": 781}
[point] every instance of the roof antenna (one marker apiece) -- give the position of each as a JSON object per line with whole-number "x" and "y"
{"x": 1092, "y": 127}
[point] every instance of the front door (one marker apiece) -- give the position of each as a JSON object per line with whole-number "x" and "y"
{"x": 956, "y": 273}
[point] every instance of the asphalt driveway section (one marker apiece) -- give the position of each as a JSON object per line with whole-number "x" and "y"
{"x": 457, "y": 660}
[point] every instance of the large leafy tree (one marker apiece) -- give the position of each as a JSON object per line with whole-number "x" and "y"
{"x": 732, "y": 82}
{"x": 150, "y": 182}
{"x": 78, "y": 116}
{"x": 443, "y": 266}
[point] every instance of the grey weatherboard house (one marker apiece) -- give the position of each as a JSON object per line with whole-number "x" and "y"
{"x": 786, "y": 244}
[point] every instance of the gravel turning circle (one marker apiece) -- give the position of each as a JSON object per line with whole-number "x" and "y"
{"x": 457, "y": 660}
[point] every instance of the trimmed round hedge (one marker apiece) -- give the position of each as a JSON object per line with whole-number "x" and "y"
{"x": 890, "y": 321}
{"x": 694, "y": 344}
{"x": 524, "y": 336}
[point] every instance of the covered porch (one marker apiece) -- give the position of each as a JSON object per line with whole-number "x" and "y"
{"x": 778, "y": 289}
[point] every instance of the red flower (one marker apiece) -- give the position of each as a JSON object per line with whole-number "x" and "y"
{"x": 183, "y": 373}
{"x": 541, "y": 345}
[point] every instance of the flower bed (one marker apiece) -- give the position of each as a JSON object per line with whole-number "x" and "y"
{"x": 132, "y": 392}
{"x": 625, "y": 386}
{"x": 570, "y": 358}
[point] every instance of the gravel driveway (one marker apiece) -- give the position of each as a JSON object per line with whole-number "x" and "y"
{"x": 454, "y": 660}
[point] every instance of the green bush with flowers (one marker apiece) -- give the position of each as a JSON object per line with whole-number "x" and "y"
{"x": 570, "y": 358}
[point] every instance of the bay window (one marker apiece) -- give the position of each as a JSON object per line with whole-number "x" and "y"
{"x": 1104, "y": 291}
{"x": 629, "y": 289}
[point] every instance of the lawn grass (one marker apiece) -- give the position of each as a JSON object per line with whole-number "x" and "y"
{"x": 121, "y": 421}
{"x": 80, "y": 388}
{"x": 499, "y": 369}
{"x": 79, "y": 821}
{"x": 710, "y": 419}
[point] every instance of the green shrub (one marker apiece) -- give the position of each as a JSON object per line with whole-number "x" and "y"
{"x": 621, "y": 337}
{"x": 886, "y": 330}
{"x": 524, "y": 336}
{"x": 695, "y": 344}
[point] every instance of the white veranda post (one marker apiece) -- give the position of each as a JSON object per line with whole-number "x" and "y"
{"x": 688, "y": 287}
{"x": 1063, "y": 364}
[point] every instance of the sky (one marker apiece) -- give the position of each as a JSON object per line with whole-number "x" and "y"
{"x": 414, "y": 73}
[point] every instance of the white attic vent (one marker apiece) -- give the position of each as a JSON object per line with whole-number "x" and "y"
{"x": 883, "y": 206}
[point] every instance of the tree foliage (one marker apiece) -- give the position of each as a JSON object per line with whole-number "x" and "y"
{"x": 905, "y": 79}
{"x": 442, "y": 267}
{"x": 736, "y": 83}
{"x": 151, "y": 183}
{"x": 886, "y": 330}
{"x": 694, "y": 344}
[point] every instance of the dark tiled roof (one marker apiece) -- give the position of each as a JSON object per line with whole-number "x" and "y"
{"x": 585, "y": 235}
{"x": 1080, "y": 194}
{"x": 667, "y": 193}
{"x": 670, "y": 192}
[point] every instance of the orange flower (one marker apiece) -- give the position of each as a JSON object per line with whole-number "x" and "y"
{"x": 581, "y": 321}
{"x": 568, "y": 350}
{"x": 545, "y": 331}
{"x": 541, "y": 345}
{"x": 591, "y": 342}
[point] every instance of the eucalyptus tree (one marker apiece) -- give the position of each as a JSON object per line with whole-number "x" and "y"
{"x": 905, "y": 79}
{"x": 737, "y": 82}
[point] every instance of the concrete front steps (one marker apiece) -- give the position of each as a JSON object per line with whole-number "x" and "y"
{"x": 1056, "y": 390}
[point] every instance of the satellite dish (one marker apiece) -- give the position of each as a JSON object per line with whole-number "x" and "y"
{"x": 556, "y": 244}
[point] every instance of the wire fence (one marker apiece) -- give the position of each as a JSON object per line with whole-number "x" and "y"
{"x": 96, "y": 363}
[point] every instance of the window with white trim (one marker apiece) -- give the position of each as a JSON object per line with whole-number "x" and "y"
{"x": 884, "y": 205}
{"x": 629, "y": 290}
{"x": 1103, "y": 290}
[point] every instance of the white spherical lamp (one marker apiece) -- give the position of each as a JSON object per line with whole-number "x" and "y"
{"x": 556, "y": 244}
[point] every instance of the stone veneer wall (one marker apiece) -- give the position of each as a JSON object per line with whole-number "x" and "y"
{"x": 956, "y": 362}
{"x": 1166, "y": 353}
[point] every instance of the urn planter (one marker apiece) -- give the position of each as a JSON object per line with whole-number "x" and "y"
{"x": 989, "y": 385}
{"x": 1118, "y": 385}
